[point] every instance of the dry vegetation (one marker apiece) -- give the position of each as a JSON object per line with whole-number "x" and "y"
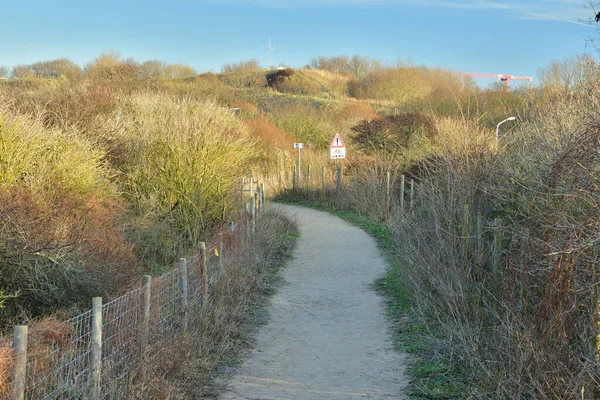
{"x": 119, "y": 167}
{"x": 500, "y": 252}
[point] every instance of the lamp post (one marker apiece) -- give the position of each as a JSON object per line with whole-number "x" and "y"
{"x": 498, "y": 126}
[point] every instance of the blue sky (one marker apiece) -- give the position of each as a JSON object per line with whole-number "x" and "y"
{"x": 504, "y": 36}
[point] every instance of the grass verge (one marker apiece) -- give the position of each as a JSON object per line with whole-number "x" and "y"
{"x": 430, "y": 376}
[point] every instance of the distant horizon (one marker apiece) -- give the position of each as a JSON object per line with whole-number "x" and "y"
{"x": 482, "y": 82}
{"x": 496, "y": 37}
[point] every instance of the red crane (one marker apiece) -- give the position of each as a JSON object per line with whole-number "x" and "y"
{"x": 501, "y": 77}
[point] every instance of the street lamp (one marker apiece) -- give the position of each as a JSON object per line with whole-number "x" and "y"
{"x": 501, "y": 122}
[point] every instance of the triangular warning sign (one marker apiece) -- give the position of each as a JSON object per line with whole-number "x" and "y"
{"x": 337, "y": 142}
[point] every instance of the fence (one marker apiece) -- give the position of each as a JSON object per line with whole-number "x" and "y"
{"x": 104, "y": 344}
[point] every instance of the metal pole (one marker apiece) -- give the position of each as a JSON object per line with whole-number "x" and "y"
{"x": 402, "y": 194}
{"x": 299, "y": 169}
{"x": 498, "y": 127}
{"x": 338, "y": 177}
{"x": 204, "y": 275}
{"x": 412, "y": 194}
{"x": 220, "y": 252}
{"x": 387, "y": 195}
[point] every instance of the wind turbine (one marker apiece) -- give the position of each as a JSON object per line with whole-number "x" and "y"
{"x": 270, "y": 48}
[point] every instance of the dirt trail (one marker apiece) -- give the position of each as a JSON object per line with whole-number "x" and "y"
{"x": 328, "y": 337}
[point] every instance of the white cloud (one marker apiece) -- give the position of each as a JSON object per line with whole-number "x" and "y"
{"x": 570, "y": 11}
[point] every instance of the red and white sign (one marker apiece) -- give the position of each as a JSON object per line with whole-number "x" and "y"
{"x": 337, "y": 147}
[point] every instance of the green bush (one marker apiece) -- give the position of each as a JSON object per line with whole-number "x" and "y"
{"x": 185, "y": 159}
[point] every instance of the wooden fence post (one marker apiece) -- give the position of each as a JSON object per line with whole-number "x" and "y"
{"x": 323, "y": 180}
{"x": 146, "y": 294}
{"x": 96, "y": 350}
{"x": 252, "y": 215}
{"x": 466, "y": 231}
{"x": 412, "y": 194}
{"x": 257, "y": 204}
{"x": 497, "y": 247}
{"x": 145, "y": 322}
{"x": 294, "y": 177}
{"x": 20, "y": 364}
{"x": 262, "y": 192}
{"x": 251, "y": 186}
{"x": 388, "y": 195}
{"x": 204, "y": 275}
{"x": 221, "y": 252}
{"x": 479, "y": 239}
{"x": 402, "y": 194}
{"x": 183, "y": 292}
{"x": 308, "y": 177}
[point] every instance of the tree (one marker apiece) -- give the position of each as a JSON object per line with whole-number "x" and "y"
{"x": 179, "y": 71}
{"x": 57, "y": 68}
{"x": 109, "y": 66}
{"x": 4, "y": 71}
{"x": 153, "y": 69}
{"x": 567, "y": 75}
{"x": 21, "y": 71}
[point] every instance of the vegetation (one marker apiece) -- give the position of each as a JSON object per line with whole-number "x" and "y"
{"x": 118, "y": 167}
{"x": 497, "y": 249}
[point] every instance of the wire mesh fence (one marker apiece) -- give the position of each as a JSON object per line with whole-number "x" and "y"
{"x": 61, "y": 368}
{"x": 56, "y": 371}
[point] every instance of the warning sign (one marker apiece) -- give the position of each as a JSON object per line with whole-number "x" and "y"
{"x": 337, "y": 147}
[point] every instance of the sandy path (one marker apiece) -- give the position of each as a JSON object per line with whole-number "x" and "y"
{"x": 328, "y": 337}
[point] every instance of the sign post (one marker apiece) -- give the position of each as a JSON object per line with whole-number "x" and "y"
{"x": 337, "y": 150}
{"x": 299, "y": 146}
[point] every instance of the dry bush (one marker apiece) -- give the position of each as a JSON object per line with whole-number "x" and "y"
{"x": 60, "y": 253}
{"x": 331, "y": 85}
{"x": 305, "y": 124}
{"x": 359, "y": 109}
{"x": 268, "y": 133}
{"x": 396, "y": 139}
{"x": 61, "y": 217}
{"x": 362, "y": 187}
{"x": 6, "y": 362}
{"x": 518, "y": 310}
